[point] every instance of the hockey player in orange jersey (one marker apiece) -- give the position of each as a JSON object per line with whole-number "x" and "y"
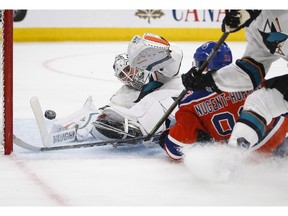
{"x": 209, "y": 116}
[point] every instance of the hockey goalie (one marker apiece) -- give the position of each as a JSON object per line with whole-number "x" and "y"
{"x": 149, "y": 71}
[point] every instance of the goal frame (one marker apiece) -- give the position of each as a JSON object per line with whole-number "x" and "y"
{"x": 7, "y": 31}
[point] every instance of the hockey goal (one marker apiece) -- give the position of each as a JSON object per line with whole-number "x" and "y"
{"x": 6, "y": 76}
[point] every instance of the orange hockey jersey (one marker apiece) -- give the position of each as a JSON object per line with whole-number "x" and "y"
{"x": 215, "y": 115}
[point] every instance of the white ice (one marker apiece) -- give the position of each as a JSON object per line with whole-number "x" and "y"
{"x": 63, "y": 75}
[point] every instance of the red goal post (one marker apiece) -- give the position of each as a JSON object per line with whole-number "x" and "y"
{"x": 7, "y": 81}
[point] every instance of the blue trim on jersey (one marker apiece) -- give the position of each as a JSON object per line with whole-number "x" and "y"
{"x": 268, "y": 133}
{"x": 194, "y": 96}
{"x": 149, "y": 67}
{"x": 255, "y": 71}
{"x": 88, "y": 120}
{"x": 254, "y": 122}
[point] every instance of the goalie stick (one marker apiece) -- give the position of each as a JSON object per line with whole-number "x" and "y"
{"x": 50, "y": 138}
{"x": 114, "y": 142}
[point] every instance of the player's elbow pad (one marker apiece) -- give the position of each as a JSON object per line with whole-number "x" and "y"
{"x": 254, "y": 69}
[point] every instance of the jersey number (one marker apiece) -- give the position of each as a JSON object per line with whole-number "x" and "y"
{"x": 224, "y": 122}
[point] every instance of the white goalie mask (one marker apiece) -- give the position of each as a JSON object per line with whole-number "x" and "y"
{"x": 133, "y": 77}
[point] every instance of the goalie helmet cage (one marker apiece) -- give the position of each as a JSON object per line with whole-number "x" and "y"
{"x": 6, "y": 76}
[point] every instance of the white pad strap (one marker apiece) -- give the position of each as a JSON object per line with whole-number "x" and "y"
{"x": 120, "y": 114}
{"x": 144, "y": 114}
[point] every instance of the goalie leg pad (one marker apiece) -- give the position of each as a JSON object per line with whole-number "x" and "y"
{"x": 147, "y": 112}
{"x": 108, "y": 128}
{"x": 81, "y": 119}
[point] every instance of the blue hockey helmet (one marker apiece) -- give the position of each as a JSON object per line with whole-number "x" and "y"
{"x": 222, "y": 58}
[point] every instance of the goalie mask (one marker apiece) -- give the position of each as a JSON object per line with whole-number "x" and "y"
{"x": 222, "y": 58}
{"x": 133, "y": 77}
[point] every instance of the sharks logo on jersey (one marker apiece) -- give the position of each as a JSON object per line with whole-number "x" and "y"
{"x": 274, "y": 40}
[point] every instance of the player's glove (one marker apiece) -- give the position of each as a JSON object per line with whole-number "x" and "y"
{"x": 192, "y": 80}
{"x": 238, "y": 19}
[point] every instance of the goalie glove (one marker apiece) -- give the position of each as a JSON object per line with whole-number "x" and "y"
{"x": 149, "y": 52}
{"x": 192, "y": 80}
{"x": 238, "y": 19}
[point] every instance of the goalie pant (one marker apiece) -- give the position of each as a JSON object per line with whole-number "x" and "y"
{"x": 205, "y": 116}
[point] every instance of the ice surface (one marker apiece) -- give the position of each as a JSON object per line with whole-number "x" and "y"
{"x": 63, "y": 75}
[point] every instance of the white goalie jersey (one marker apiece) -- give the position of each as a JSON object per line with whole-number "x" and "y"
{"x": 131, "y": 109}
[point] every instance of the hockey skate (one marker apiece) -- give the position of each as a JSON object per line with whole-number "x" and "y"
{"x": 243, "y": 143}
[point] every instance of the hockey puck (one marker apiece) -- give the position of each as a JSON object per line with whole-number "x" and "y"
{"x": 50, "y": 114}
